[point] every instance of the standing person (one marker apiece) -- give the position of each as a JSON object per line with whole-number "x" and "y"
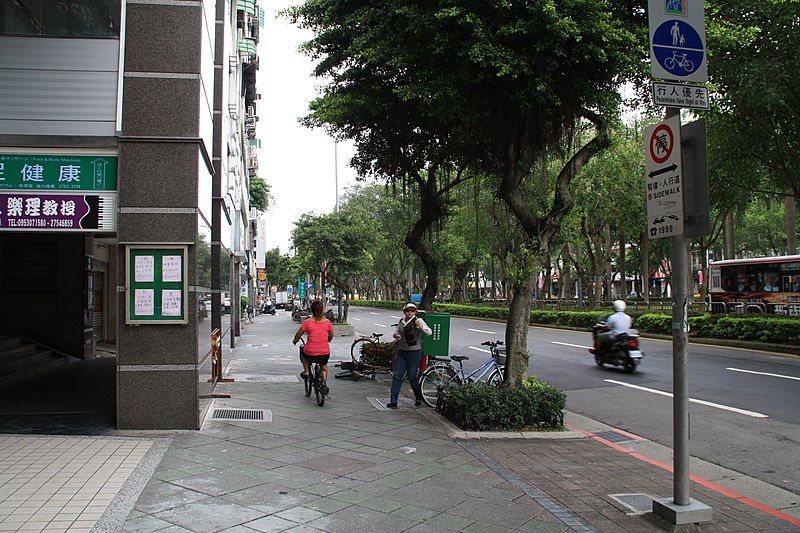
{"x": 317, "y": 348}
{"x": 409, "y": 353}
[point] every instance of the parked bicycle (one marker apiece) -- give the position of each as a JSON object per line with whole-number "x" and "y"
{"x": 314, "y": 381}
{"x": 249, "y": 313}
{"x": 374, "y": 353}
{"x": 438, "y": 376}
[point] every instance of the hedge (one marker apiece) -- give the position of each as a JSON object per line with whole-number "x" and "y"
{"x": 481, "y": 407}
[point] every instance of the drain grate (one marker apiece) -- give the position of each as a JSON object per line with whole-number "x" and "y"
{"x": 637, "y": 503}
{"x": 403, "y": 404}
{"x": 272, "y": 379}
{"x": 239, "y": 414}
{"x": 613, "y": 436}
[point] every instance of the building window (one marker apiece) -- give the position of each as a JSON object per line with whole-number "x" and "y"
{"x": 60, "y": 18}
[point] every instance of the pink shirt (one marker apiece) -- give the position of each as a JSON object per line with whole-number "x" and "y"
{"x": 318, "y": 332}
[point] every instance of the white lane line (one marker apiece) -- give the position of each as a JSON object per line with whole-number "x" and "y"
{"x": 571, "y": 345}
{"x": 478, "y": 349}
{"x": 354, "y": 318}
{"x": 763, "y": 373}
{"x": 373, "y": 313}
{"x": 482, "y": 331}
{"x": 701, "y": 402}
{"x": 379, "y": 325}
{"x": 392, "y": 316}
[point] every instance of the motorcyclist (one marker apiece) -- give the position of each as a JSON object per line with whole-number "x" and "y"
{"x": 615, "y": 325}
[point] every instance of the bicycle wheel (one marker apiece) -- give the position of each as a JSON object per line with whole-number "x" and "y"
{"x": 432, "y": 380}
{"x": 319, "y": 385}
{"x": 358, "y": 348}
{"x": 496, "y": 377}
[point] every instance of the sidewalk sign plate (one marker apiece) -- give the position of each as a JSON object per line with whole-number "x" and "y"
{"x": 680, "y": 95}
{"x": 664, "y": 178}
{"x": 678, "y": 40}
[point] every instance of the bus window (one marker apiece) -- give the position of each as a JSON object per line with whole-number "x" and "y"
{"x": 791, "y": 283}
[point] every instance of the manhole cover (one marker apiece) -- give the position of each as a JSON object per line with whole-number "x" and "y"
{"x": 241, "y": 414}
{"x": 637, "y": 503}
{"x": 613, "y": 436}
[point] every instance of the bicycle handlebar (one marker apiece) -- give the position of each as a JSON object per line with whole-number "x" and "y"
{"x": 492, "y": 343}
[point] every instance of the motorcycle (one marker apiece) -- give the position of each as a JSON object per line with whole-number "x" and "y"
{"x": 267, "y": 309}
{"x": 623, "y": 351}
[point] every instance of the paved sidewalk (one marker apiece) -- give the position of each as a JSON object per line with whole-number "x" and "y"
{"x": 353, "y": 465}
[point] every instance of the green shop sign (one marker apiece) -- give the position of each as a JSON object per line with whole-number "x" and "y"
{"x": 58, "y": 172}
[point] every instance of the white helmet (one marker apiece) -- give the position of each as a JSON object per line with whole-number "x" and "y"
{"x": 619, "y": 306}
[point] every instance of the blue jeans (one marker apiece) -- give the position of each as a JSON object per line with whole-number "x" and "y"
{"x": 406, "y": 362}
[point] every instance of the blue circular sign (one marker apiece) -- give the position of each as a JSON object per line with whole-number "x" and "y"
{"x": 678, "y": 48}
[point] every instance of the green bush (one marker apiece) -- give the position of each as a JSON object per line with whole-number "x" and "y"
{"x": 482, "y": 407}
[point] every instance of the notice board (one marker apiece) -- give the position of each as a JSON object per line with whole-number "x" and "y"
{"x": 156, "y": 288}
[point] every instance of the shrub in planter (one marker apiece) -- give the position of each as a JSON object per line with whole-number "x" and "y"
{"x": 481, "y": 407}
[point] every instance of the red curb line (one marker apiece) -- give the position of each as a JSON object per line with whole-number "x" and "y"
{"x": 704, "y": 482}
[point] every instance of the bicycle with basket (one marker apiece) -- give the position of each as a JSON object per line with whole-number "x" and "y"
{"x": 369, "y": 355}
{"x": 441, "y": 372}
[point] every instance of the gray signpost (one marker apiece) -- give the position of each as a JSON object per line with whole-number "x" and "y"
{"x": 677, "y": 52}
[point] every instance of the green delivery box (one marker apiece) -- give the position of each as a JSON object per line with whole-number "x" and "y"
{"x": 438, "y": 343}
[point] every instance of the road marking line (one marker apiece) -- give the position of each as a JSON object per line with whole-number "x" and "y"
{"x": 701, "y": 402}
{"x": 572, "y": 345}
{"x": 373, "y": 313}
{"x": 482, "y": 331}
{"x": 478, "y": 349}
{"x": 379, "y": 325}
{"x": 762, "y": 373}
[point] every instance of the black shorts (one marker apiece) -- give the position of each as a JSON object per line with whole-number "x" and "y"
{"x": 321, "y": 359}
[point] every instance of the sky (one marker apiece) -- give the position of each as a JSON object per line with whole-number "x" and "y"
{"x": 296, "y": 162}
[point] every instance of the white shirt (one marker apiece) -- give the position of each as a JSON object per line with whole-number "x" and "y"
{"x": 618, "y": 323}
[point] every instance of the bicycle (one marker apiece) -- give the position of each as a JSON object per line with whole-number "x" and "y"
{"x": 437, "y": 377}
{"x": 372, "y": 352}
{"x": 678, "y": 60}
{"x": 314, "y": 381}
{"x": 249, "y": 313}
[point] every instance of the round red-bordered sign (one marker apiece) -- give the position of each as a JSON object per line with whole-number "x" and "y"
{"x": 661, "y": 148}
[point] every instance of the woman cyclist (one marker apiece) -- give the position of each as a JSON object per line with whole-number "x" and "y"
{"x": 317, "y": 348}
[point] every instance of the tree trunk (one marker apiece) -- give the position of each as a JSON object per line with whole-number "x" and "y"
{"x": 791, "y": 227}
{"x": 728, "y": 244}
{"x": 519, "y": 313}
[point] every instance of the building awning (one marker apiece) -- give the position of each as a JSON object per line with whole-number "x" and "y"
{"x": 247, "y": 46}
{"x": 249, "y": 6}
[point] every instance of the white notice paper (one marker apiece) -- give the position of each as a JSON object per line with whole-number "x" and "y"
{"x": 170, "y": 302}
{"x": 143, "y": 302}
{"x": 144, "y": 268}
{"x": 171, "y": 268}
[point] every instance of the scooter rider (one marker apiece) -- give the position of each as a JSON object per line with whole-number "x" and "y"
{"x": 616, "y": 324}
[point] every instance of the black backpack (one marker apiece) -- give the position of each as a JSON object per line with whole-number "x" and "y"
{"x": 410, "y": 333}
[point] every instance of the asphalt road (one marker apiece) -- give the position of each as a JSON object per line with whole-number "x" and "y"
{"x": 744, "y": 412}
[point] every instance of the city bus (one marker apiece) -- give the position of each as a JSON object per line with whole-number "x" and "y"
{"x": 756, "y": 285}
